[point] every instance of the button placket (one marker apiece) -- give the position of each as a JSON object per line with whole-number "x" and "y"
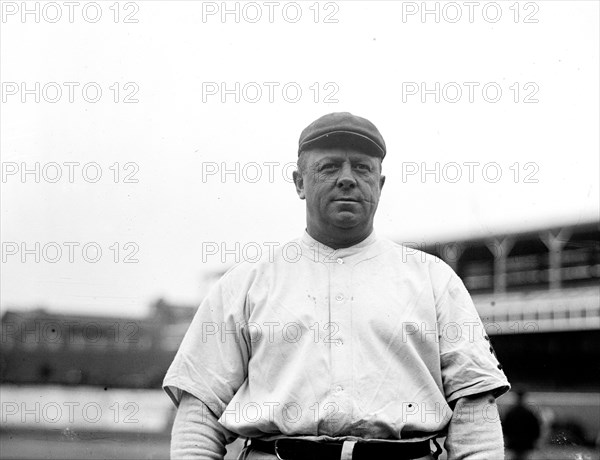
{"x": 340, "y": 317}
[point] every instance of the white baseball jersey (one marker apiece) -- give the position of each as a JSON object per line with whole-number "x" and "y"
{"x": 371, "y": 341}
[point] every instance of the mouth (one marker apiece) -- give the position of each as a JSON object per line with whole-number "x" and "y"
{"x": 346, "y": 200}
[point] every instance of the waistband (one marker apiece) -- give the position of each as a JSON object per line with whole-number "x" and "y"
{"x": 298, "y": 449}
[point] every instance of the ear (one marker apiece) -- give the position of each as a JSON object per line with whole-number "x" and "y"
{"x": 299, "y": 182}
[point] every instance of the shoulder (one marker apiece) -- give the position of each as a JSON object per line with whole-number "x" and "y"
{"x": 410, "y": 255}
{"x": 427, "y": 267}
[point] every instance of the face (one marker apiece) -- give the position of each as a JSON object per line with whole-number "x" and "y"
{"x": 342, "y": 187}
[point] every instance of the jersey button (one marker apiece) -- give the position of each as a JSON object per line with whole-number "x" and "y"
{"x": 339, "y": 297}
{"x": 338, "y": 389}
{"x": 340, "y": 261}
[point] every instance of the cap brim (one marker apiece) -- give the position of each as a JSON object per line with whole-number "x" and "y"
{"x": 344, "y": 139}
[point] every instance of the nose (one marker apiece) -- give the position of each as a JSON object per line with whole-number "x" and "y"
{"x": 345, "y": 178}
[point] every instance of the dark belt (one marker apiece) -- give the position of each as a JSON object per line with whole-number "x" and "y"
{"x": 298, "y": 449}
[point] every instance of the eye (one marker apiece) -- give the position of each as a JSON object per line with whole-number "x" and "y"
{"x": 363, "y": 167}
{"x": 327, "y": 166}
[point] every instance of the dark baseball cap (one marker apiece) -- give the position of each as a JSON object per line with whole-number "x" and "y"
{"x": 343, "y": 129}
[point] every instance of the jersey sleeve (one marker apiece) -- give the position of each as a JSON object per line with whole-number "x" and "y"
{"x": 212, "y": 360}
{"x": 468, "y": 362}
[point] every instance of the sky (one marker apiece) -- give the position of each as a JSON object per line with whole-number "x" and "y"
{"x": 159, "y": 135}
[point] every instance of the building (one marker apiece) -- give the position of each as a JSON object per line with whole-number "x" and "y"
{"x": 537, "y": 293}
{"x": 39, "y": 347}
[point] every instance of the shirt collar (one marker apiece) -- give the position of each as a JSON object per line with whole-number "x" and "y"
{"x": 315, "y": 247}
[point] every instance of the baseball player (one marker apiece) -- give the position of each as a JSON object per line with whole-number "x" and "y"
{"x": 340, "y": 344}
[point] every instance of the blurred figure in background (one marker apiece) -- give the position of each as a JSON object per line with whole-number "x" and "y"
{"x": 521, "y": 429}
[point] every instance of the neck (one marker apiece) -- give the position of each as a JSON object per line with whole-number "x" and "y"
{"x": 339, "y": 238}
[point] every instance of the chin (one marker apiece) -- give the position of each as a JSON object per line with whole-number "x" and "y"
{"x": 346, "y": 220}
{"x": 345, "y": 225}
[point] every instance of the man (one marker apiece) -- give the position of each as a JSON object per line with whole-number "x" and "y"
{"x": 342, "y": 344}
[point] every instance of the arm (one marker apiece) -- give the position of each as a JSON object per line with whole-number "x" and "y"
{"x": 474, "y": 432}
{"x": 196, "y": 432}
{"x": 206, "y": 372}
{"x": 472, "y": 378}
